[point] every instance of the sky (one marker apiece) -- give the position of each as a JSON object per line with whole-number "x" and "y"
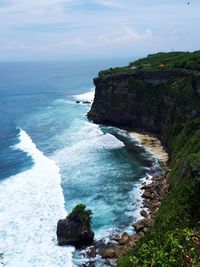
{"x": 89, "y": 29}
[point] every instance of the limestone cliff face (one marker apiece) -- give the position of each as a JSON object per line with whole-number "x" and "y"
{"x": 157, "y": 102}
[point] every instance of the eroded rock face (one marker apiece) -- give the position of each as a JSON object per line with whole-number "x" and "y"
{"x": 141, "y": 100}
{"x": 74, "y": 232}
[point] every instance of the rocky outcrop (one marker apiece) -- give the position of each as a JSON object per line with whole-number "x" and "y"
{"x": 144, "y": 100}
{"x": 74, "y": 232}
{"x": 76, "y": 229}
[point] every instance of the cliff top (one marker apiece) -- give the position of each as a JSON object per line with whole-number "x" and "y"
{"x": 170, "y": 61}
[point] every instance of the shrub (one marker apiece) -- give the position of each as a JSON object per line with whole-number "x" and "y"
{"x": 180, "y": 248}
{"x": 81, "y": 213}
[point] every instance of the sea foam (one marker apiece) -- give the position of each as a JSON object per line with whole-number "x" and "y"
{"x": 31, "y": 204}
{"x": 88, "y": 96}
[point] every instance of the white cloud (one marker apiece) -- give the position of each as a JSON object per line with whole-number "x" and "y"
{"x": 93, "y": 27}
{"x": 128, "y": 36}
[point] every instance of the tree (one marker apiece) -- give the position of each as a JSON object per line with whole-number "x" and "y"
{"x": 81, "y": 213}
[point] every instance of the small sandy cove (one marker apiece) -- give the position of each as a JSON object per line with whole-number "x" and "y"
{"x": 152, "y": 144}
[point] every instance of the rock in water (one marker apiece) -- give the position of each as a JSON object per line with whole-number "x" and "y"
{"x": 75, "y": 229}
{"x": 73, "y": 233}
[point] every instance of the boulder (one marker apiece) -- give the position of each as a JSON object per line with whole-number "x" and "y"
{"x": 116, "y": 238}
{"x": 74, "y": 232}
{"x": 147, "y": 195}
{"x": 124, "y": 239}
{"x": 108, "y": 252}
{"x": 141, "y": 224}
{"x": 143, "y": 213}
{"x": 76, "y": 229}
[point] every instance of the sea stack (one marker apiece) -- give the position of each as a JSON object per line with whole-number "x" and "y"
{"x": 75, "y": 229}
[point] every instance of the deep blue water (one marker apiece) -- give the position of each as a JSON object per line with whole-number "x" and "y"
{"x": 95, "y": 167}
{"x": 26, "y": 87}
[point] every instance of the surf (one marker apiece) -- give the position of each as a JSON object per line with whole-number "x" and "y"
{"x": 31, "y": 204}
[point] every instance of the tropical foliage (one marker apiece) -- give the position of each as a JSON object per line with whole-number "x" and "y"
{"x": 81, "y": 213}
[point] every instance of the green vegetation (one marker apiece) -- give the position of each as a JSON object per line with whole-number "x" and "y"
{"x": 180, "y": 248}
{"x": 171, "y": 60}
{"x": 116, "y": 71}
{"x": 81, "y": 213}
{"x": 145, "y": 95}
{"x": 174, "y": 238}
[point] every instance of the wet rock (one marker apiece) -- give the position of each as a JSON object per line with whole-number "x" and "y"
{"x": 116, "y": 238}
{"x": 146, "y": 186}
{"x": 76, "y": 229}
{"x": 154, "y": 204}
{"x": 147, "y": 194}
{"x": 124, "y": 239}
{"x": 92, "y": 252}
{"x": 139, "y": 225}
{"x": 143, "y": 213}
{"x": 74, "y": 232}
{"x": 108, "y": 252}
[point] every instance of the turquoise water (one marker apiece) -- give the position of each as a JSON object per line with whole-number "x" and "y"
{"x": 52, "y": 158}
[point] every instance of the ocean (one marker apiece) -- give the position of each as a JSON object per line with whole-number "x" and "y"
{"x": 53, "y": 158}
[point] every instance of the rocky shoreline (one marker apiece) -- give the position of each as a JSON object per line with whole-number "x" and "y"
{"x": 153, "y": 193}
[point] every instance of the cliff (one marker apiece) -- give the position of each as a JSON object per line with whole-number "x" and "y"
{"x": 144, "y": 100}
{"x": 165, "y": 102}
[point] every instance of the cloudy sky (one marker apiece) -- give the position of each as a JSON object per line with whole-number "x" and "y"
{"x": 71, "y": 29}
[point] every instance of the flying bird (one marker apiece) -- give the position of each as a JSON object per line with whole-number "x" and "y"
{"x": 188, "y": 3}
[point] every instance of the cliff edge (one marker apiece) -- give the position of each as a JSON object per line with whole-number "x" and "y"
{"x": 160, "y": 94}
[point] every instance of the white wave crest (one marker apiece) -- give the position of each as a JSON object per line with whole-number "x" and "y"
{"x": 31, "y": 204}
{"x": 86, "y": 97}
{"x": 97, "y": 141}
